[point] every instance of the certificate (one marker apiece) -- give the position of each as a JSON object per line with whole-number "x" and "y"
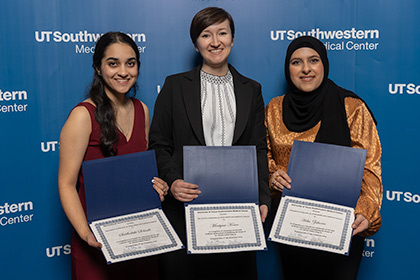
{"x": 123, "y": 209}
{"x": 225, "y": 217}
{"x": 313, "y": 224}
{"x": 135, "y": 235}
{"x": 221, "y": 228}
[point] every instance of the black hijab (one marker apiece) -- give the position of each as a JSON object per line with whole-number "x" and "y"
{"x": 303, "y": 110}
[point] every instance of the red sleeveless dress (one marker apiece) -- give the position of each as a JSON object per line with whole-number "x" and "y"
{"x": 88, "y": 262}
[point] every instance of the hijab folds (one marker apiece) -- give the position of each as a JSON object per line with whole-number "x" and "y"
{"x": 303, "y": 110}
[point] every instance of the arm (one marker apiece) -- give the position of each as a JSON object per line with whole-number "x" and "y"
{"x": 159, "y": 185}
{"x": 74, "y": 141}
{"x": 146, "y": 122}
{"x": 365, "y": 136}
{"x": 278, "y": 179}
{"x": 161, "y": 140}
{"x": 259, "y": 140}
{"x": 161, "y": 134}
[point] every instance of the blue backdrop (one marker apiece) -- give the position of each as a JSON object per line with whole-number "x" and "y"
{"x": 45, "y": 68}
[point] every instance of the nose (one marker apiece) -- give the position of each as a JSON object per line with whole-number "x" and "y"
{"x": 215, "y": 42}
{"x": 123, "y": 72}
{"x": 306, "y": 68}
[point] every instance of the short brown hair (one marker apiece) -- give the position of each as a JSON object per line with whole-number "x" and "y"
{"x": 206, "y": 17}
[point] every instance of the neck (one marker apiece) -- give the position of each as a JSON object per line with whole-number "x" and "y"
{"x": 217, "y": 71}
{"x": 119, "y": 100}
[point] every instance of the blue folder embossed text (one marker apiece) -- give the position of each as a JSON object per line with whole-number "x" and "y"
{"x": 223, "y": 174}
{"x": 120, "y": 185}
{"x": 325, "y": 172}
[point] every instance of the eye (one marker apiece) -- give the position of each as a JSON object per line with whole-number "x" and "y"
{"x": 132, "y": 63}
{"x": 314, "y": 60}
{"x": 112, "y": 63}
{"x": 223, "y": 33}
{"x": 295, "y": 62}
{"x": 205, "y": 36}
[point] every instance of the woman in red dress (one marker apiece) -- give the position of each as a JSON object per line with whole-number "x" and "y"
{"x": 108, "y": 123}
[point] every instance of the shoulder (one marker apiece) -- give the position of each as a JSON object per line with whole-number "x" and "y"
{"x": 356, "y": 109}
{"x": 241, "y": 78}
{"x": 85, "y": 106}
{"x": 275, "y": 103}
{"x": 144, "y": 106}
{"x": 78, "y": 122}
{"x": 191, "y": 75}
{"x": 140, "y": 105}
{"x": 353, "y": 105}
{"x": 80, "y": 113}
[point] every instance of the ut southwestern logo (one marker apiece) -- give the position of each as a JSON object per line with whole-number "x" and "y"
{"x": 58, "y": 251}
{"x": 49, "y": 146}
{"x": 348, "y": 39}
{"x": 369, "y": 250}
{"x": 399, "y": 196}
{"x": 404, "y": 89}
{"x": 84, "y": 40}
{"x": 13, "y": 101}
{"x": 78, "y": 37}
{"x": 10, "y": 210}
{"x": 325, "y": 34}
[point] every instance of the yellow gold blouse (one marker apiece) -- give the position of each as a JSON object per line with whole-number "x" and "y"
{"x": 363, "y": 135}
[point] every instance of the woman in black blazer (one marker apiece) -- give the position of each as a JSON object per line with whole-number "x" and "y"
{"x": 211, "y": 105}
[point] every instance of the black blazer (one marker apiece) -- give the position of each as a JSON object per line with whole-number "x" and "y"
{"x": 177, "y": 122}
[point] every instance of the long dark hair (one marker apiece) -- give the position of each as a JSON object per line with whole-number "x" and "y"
{"x": 105, "y": 114}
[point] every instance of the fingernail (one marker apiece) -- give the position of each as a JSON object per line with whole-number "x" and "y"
{"x": 153, "y": 181}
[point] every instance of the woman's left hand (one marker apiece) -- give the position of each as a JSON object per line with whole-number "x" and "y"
{"x": 280, "y": 180}
{"x": 360, "y": 224}
{"x": 263, "y": 212}
{"x": 161, "y": 187}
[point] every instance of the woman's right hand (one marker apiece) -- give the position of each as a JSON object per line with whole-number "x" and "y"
{"x": 280, "y": 180}
{"x": 91, "y": 240}
{"x": 184, "y": 191}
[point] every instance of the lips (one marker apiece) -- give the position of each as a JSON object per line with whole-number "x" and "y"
{"x": 122, "y": 80}
{"x": 307, "y": 78}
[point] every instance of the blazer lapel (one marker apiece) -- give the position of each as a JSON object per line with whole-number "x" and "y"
{"x": 243, "y": 95}
{"x": 190, "y": 87}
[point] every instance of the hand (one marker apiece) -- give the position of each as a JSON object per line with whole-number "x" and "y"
{"x": 280, "y": 180}
{"x": 183, "y": 191}
{"x": 91, "y": 240}
{"x": 263, "y": 212}
{"x": 161, "y": 187}
{"x": 360, "y": 224}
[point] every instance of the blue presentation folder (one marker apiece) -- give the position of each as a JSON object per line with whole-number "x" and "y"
{"x": 120, "y": 185}
{"x": 325, "y": 172}
{"x": 223, "y": 174}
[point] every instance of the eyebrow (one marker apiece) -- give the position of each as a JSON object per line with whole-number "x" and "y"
{"x": 114, "y": 58}
{"x": 312, "y": 56}
{"x": 223, "y": 28}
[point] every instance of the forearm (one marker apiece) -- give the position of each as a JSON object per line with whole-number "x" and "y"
{"x": 365, "y": 136}
{"x": 259, "y": 138}
{"x": 369, "y": 202}
{"x": 73, "y": 209}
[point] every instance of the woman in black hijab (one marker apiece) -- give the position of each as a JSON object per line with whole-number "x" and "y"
{"x": 315, "y": 109}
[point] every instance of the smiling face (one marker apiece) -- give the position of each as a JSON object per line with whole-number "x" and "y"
{"x": 214, "y": 44}
{"x": 306, "y": 69}
{"x": 119, "y": 68}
